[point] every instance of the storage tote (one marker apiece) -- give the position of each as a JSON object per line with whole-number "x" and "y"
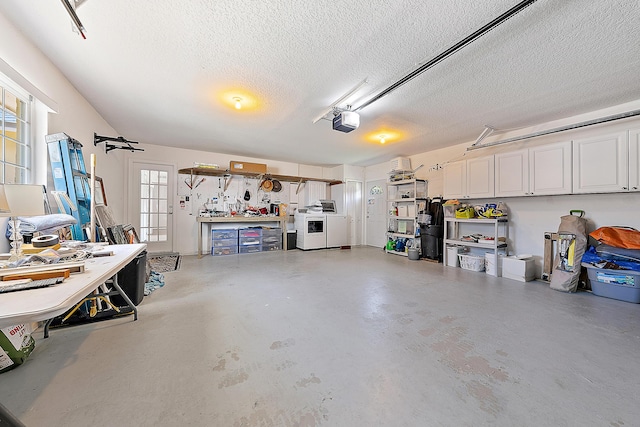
{"x": 471, "y": 262}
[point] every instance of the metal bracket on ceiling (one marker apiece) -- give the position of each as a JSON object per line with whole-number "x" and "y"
{"x": 71, "y": 10}
{"x": 121, "y": 143}
{"x": 488, "y": 130}
{"x": 333, "y": 106}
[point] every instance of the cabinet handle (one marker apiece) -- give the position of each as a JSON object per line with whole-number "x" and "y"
{"x": 635, "y": 188}
{"x": 624, "y": 188}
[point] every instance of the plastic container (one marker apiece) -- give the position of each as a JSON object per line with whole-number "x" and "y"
{"x": 224, "y": 250}
{"x": 271, "y": 240}
{"x": 271, "y": 247}
{"x": 250, "y": 249}
{"x": 250, "y": 232}
{"x": 449, "y": 210}
{"x": 272, "y": 232}
{"x": 224, "y": 242}
{"x": 452, "y": 256}
{"x": 249, "y": 241}
{"x": 413, "y": 254}
{"x": 471, "y": 262}
{"x": 492, "y": 267}
{"x": 132, "y": 279}
{"x": 622, "y": 285}
{"x": 224, "y": 234}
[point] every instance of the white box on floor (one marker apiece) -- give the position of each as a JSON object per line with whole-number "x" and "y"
{"x": 519, "y": 268}
{"x": 492, "y": 267}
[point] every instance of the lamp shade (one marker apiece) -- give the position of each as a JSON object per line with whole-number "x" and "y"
{"x": 4, "y": 204}
{"x": 24, "y": 199}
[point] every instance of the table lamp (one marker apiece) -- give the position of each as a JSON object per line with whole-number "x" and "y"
{"x": 21, "y": 200}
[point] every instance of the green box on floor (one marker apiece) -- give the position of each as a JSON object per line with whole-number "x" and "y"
{"x": 16, "y": 344}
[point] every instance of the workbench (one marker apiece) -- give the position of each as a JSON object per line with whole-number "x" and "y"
{"x": 254, "y": 220}
{"x": 40, "y": 304}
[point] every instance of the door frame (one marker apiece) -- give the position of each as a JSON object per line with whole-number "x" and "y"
{"x": 365, "y": 208}
{"x": 130, "y": 190}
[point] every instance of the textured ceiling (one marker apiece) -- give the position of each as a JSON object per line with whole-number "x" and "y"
{"x": 157, "y": 70}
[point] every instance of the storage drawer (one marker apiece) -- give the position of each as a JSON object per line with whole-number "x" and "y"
{"x": 224, "y": 242}
{"x": 250, "y": 249}
{"x": 224, "y": 250}
{"x": 250, "y": 232}
{"x": 271, "y": 247}
{"x": 224, "y": 234}
{"x": 250, "y": 241}
{"x": 271, "y": 240}
{"x": 271, "y": 232}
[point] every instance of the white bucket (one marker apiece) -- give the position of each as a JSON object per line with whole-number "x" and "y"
{"x": 490, "y": 264}
{"x": 452, "y": 256}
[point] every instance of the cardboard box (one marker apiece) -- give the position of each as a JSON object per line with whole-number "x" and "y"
{"x": 235, "y": 166}
{"x": 523, "y": 270}
{"x": 402, "y": 210}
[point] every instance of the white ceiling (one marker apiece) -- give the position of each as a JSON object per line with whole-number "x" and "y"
{"x": 156, "y": 70}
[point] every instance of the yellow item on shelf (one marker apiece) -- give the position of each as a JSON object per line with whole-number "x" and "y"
{"x": 465, "y": 213}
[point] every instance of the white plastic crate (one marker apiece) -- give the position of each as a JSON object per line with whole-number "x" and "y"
{"x": 471, "y": 262}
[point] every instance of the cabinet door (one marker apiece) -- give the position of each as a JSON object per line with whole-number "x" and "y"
{"x": 512, "y": 173}
{"x": 634, "y": 160}
{"x": 550, "y": 169}
{"x": 455, "y": 180}
{"x": 600, "y": 164}
{"x": 480, "y": 177}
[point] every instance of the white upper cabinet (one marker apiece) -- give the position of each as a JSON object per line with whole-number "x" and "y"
{"x": 480, "y": 177}
{"x": 535, "y": 171}
{"x": 512, "y": 173}
{"x": 550, "y": 169}
{"x": 634, "y": 160}
{"x": 601, "y": 164}
{"x": 469, "y": 179}
{"x": 455, "y": 180}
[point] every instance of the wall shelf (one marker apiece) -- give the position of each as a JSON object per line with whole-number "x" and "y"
{"x": 225, "y": 172}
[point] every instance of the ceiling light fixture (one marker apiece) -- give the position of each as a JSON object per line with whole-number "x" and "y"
{"x": 237, "y": 102}
{"x": 382, "y": 138}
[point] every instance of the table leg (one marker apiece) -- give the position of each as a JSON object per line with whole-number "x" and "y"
{"x": 46, "y": 327}
{"x": 125, "y": 297}
{"x": 200, "y": 240}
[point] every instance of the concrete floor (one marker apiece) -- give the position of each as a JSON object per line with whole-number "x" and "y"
{"x": 339, "y": 338}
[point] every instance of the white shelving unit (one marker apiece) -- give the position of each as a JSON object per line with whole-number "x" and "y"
{"x": 454, "y": 238}
{"x": 405, "y": 199}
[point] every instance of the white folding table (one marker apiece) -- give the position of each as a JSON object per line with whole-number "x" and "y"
{"x": 46, "y": 303}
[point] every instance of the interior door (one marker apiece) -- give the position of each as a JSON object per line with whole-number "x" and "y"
{"x": 151, "y": 204}
{"x": 376, "y": 222}
{"x": 354, "y": 212}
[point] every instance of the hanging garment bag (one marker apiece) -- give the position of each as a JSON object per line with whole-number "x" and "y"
{"x": 572, "y": 244}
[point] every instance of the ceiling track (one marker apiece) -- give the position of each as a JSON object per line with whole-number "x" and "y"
{"x": 606, "y": 119}
{"x": 447, "y": 53}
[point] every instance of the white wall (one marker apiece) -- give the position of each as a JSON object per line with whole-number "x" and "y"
{"x": 185, "y": 227}
{"x": 76, "y": 117}
{"x": 531, "y": 217}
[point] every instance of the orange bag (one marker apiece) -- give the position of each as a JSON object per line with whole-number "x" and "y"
{"x": 619, "y": 237}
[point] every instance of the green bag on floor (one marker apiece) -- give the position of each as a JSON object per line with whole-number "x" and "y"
{"x": 16, "y": 344}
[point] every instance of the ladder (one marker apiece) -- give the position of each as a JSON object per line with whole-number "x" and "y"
{"x": 70, "y": 177}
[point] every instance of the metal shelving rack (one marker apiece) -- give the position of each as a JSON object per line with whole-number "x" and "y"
{"x": 454, "y": 238}
{"x": 409, "y": 195}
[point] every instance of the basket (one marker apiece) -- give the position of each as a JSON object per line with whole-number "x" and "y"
{"x": 471, "y": 262}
